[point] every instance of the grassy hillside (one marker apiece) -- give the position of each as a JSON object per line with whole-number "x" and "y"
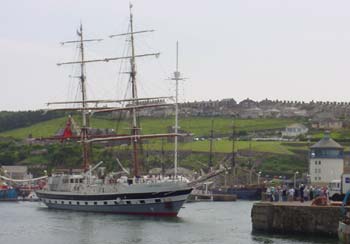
{"x": 10, "y": 120}
{"x": 278, "y": 156}
{"x": 225, "y": 146}
{"x": 42, "y": 129}
{"x": 197, "y": 125}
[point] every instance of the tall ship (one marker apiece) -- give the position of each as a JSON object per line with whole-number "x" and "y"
{"x": 243, "y": 191}
{"x": 131, "y": 193}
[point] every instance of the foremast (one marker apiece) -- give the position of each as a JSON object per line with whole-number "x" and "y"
{"x": 85, "y": 125}
{"x": 84, "y": 105}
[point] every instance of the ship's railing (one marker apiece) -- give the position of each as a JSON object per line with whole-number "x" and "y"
{"x": 158, "y": 179}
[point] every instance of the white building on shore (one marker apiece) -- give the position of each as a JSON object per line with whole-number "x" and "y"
{"x": 326, "y": 161}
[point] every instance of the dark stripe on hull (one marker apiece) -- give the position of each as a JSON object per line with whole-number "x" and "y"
{"x": 101, "y": 197}
{"x": 170, "y": 209}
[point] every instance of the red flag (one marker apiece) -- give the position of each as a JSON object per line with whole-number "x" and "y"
{"x": 68, "y": 131}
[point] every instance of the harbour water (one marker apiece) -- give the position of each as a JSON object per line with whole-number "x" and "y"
{"x": 202, "y": 223}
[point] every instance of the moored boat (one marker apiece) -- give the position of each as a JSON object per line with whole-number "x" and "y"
{"x": 243, "y": 192}
{"x": 8, "y": 193}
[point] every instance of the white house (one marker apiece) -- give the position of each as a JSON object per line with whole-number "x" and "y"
{"x": 251, "y": 113}
{"x": 326, "y": 161}
{"x": 295, "y": 130}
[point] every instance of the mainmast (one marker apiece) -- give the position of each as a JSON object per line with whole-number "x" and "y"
{"x": 134, "y": 130}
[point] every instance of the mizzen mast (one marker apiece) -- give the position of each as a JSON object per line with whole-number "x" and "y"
{"x": 177, "y": 77}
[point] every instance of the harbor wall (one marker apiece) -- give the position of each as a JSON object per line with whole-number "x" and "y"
{"x": 295, "y": 218}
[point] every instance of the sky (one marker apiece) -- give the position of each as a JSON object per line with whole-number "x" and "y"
{"x": 275, "y": 49}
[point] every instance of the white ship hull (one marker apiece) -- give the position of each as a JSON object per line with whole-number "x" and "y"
{"x": 166, "y": 202}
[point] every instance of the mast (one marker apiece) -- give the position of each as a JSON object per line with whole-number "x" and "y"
{"x": 211, "y": 144}
{"x": 134, "y": 130}
{"x": 84, "y": 104}
{"x": 84, "y": 129}
{"x": 233, "y": 160}
{"x": 250, "y": 161}
{"x": 177, "y": 78}
{"x": 162, "y": 159}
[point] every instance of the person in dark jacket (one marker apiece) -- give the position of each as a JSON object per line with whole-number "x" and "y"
{"x": 311, "y": 193}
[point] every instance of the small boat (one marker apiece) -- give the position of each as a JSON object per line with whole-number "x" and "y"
{"x": 7, "y": 193}
{"x": 32, "y": 197}
{"x": 205, "y": 195}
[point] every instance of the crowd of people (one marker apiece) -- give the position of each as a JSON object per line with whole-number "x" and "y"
{"x": 301, "y": 193}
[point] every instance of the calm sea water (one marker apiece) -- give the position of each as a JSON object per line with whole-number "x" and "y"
{"x": 205, "y": 222}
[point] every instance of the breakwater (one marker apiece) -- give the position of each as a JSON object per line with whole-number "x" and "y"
{"x": 295, "y": 218}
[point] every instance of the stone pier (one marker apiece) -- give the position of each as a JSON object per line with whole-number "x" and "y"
{"x": 295, "y": 218}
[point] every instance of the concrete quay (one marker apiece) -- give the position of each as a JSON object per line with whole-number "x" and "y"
{"x": 295, "y": 218}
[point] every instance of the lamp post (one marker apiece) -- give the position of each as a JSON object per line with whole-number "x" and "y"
{"x": 295, "y": 178}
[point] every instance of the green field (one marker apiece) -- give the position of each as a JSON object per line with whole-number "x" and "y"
{"x": 225, "y": 146}
{"x": 199, "y": 126}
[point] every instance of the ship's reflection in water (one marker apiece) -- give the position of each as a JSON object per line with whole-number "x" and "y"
{"x": 204, "y": 222}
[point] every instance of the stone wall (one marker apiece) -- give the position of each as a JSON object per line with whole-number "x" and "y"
{"x": 292, "y": 218}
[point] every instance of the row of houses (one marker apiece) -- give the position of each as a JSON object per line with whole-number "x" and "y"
{"x": 249, "y": 108}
